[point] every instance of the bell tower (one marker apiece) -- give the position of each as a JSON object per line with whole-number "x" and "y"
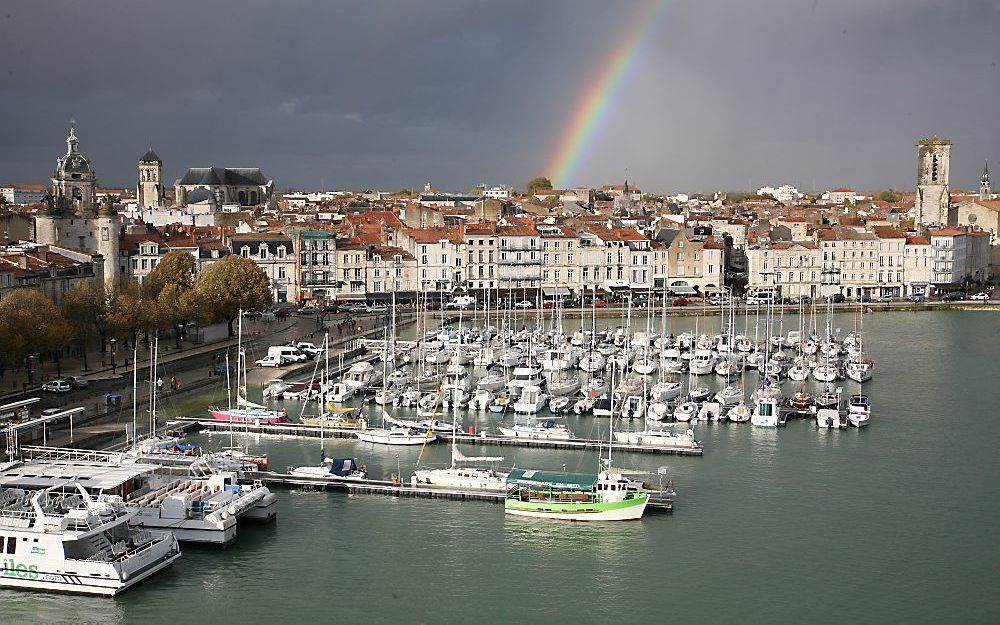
{"x": 933, "y": 194}
{"x": 985, "y": 190}
{"x": 150, "y": 188}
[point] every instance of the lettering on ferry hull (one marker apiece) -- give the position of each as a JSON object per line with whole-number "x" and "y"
{"x": 10, "y": 568}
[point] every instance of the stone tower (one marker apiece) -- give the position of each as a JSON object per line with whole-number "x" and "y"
{"x": 149, "y": 191}
{"x": 74, "y": 179}
{"x": 933, "y": 196}
{"x": 108, "y": 228}
{"x": 985, "y": 190}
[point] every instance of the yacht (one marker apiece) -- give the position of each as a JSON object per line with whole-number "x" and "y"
{"x": 859, "y": 411}
{"x": 702, "y": 363}
{"x": 686, "y": 411}
{"x": 77, "y": 543}
{"x": 730, "y": 395}
{"x": 493, "y": 381}
{"x": 523, "y": 377}
{"x": 829, "y": 418}
{"x": 465, "y": 477}
{"x": 531, "y": 400}
{"x": 665, "y": 391}
{"x": 859, "y": 368}
{"x": 360, "y": 376}
{"x": 634, "y": 407}
{"x": 766, "y": 412}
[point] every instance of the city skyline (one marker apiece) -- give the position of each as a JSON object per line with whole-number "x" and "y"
{"x": 389, "y": 96}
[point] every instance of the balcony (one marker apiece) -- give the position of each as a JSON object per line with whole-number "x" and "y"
{"x": 512, "y": 260}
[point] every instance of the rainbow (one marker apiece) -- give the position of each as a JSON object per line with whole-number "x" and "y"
{"x": 594, "y": 103}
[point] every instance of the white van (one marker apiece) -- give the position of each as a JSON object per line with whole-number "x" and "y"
{"x": 270, "y": 361}
{"x": 287, "y": 353}
{"x": 462, "y": 301}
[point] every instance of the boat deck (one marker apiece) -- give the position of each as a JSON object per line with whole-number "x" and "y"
{"x": 483, "y": 438}
{"x": 659, "y": 500}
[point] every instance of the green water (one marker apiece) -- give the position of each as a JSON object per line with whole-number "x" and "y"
{"x": 890, "y": 524}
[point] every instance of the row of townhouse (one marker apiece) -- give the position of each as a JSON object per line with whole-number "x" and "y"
{"x": 880, "y": 263}
{"x": 52, "y": 269}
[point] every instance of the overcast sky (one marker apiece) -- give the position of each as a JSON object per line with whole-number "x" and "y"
{"x": 725, "y": 93}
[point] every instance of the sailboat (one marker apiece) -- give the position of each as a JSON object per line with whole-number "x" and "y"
{"x": 246, "y": 411}
{"x": 465, "y": 477}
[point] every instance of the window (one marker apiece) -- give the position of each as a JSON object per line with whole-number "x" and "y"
{"x": 281, "y": 251}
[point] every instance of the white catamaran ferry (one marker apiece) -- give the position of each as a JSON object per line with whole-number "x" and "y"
{"x": 77, "y": 543}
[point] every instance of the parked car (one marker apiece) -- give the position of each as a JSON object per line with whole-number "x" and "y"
{"x": 956, "y": 296}
{"x": 680, "y": 301}
{"x": 523, "y": 304}
{"x": 282, "y": 313}
{"x": 270, "y": 361}
{"x": 600, "y": 304}
{"x": 307, "y": 348}
{"x": 76, "y": 381}
{"x": 252, "y": 313}
{"x": 56, "y": 386}
{"x": 982, "y": 297}
{"x": 836, "y": 298}
{"x": 917, "y": 298}
{"x": 307, "y": 310}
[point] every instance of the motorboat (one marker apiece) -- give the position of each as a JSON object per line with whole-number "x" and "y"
{"x": 603, "y": 406}
{"x": 500, "y": 404}
{"x": 583, "y": 405}
{"x": 481, "y": 400}
{"x": 702, "y": 363}
{"x": 592, "y": 361}
{"x": 825, "y": 373}
{"x": 532, "y": 400}
{"x": 829, "y": 418}
{"x": 828, "y": 399}
{"x": 395, "y": 436}
{"x": 645, "y": 366}
{"x": 633, "y": 407}
{"x": 859, "y": 368}
{"x": 595, "y": 386}
{"x": 360, "y": 376}
{"x": 859, "y": 411}
{"x": 340, "y": 392}
{"x": 522, "y": 377}
{"x": 711, "y": 411}
{"x": 686, "y": 411}
{"x": 766, "y": 412}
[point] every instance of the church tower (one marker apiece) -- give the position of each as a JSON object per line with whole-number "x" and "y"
{"x": 985, "y": 190}
{"x": 150, "y": 188}
{"x": 933, "y": 195}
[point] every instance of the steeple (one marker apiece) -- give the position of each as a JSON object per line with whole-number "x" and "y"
{"x": 985, "y": 191}
{"x": 72, "y": 143}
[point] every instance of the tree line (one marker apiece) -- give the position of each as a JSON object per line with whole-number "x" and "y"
{"x": 171, "y": 297}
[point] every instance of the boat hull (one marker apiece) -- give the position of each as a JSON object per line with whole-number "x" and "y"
{"x": 625, "y": 510}
{"x": 232, "y": 417}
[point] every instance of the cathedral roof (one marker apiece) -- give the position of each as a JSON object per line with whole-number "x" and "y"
{"x": 214, "y": 176}
{"x": 150, "y": 157}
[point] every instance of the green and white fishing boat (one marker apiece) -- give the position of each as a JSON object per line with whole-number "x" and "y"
{"x": 607, "y": 496}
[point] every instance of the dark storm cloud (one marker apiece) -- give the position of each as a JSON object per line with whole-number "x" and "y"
{"x": 390, "y": 94}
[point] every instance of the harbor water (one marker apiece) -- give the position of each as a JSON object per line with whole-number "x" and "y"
{"x": 892, "y": 523}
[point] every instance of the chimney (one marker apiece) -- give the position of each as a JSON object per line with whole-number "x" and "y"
{"x": 24, "y": 260}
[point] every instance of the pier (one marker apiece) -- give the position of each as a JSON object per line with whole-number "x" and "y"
{"x": 483, "y": 438}
{"x": 658, "y": 499}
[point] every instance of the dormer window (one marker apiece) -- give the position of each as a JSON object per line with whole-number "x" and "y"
{"x": 281, "y": 251}
{"x": 262, "y": 250}
{"x": 245, "y": 251}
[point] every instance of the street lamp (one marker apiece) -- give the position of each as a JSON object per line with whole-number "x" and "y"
{"x": 114, "y": 343}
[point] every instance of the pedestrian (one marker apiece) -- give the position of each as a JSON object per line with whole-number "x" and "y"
{"x": 126, "y": 363}
{"x": 114, "y": 368}
{"x": 159, "y": 383}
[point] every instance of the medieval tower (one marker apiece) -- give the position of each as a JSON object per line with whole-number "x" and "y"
{"x": 933, "y": 196}
{"x": 150, "y": 188}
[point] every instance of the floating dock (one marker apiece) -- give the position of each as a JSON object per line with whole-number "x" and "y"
{"x": 658, "y": 500}
{"x": 483, "y": 438}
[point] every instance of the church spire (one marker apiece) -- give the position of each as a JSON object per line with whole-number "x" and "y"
{"x": 985, "y": 190}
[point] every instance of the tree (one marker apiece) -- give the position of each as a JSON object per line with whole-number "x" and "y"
{"x": 128, "y": 312}
{"x": 30, "y": 323}
{"x": 174, "y": 269}
{"x": 889, "y": 196}
{"x": 230, "y": 285}
{"x": 85, "y": 307}
{"x": 539, "y": 182}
